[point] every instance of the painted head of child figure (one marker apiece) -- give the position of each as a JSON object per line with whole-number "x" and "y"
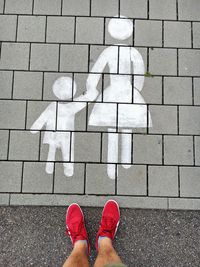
{"x": 64, "y": 88}
{"x": 120, "y": 28}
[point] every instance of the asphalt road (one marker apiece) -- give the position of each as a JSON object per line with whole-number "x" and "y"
{"x": 35, "y": 236}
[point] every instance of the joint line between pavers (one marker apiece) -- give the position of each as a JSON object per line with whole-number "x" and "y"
{"x": 88, "y": 68}
{"x": 193, "y": 91}
{"x": 90, "y": 8}
{"x": 61, "y": 7}
{"x": 75, "y": 28}
{"x": 148, "y": 10}
{"x": 163, "y": 150}
{"x": 40, "y": 146}
{"x": 13, "y": 81}
{"x": 4, "y": 6}
{"x": 42, "y": 86}
{"x": 118, "y": 54}
{"x": 87, "y": 117}
{"x": 133, "y": 32}
{"x": 22, "y": 177}
{"x": 192, "y": 39}
{"x": 119, "y": 9}
{"x": 73, "y": 79}
{"x": 9, "y": 199}
{"x": 177, "y": 17}
{"x": 8, "y": 145}
{"x": 163, "y": 92}
{"x": 178, "y": 131}
{"x": 0, "y": 49}
{"x": 40, "y": 139}
{"x": 45, "y": 30}
{"x": 33, "y": 3}
{"x": 29, "y": 57}
{"x": 179, "y": 183}
{"x": 117, "y": 119}
{"x": 177, "y": 51}
{"x": 104, "y": 30}
{"x": 162, "y": 33}
{"x": 194, "y": 154}
{"x": 147, "y": 59}
{"x": 59, "y": 56}
{"x": 133, "y": 88}
{"x": 17, "y": 22}
{"x": 26, "y": 114}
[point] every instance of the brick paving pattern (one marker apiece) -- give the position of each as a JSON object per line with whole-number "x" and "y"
{"x": 41, "y": 41}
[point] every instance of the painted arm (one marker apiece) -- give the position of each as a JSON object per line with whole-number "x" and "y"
{"x": 138, "y": 68}
{"x": 41, "y": 121}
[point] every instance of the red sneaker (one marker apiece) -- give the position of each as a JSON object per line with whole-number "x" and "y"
{"x": 75, "y": 225}
{"x": 109, "y": 221}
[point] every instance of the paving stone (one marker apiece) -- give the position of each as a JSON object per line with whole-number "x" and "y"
{"x": 84, "y": 27}
{"x": 147, "y": 149}
{"x": 161, "y": 9}
{"x": 23, "y": 146}
{"x": 18, "y": 7}
{"x": 104, "y": 8}
{"x": 164, "y": 119}
{"x": 152, "y": 90}
{"x": 189, "y": 10}
{"x": 97, "y": 181}
{"x": 196, "y": 34}
{"x": 197, "y": 150}
{"x": 87, "y": 147}
{"x": 189, "y": 122}
{"x": 60, "y": 29}
{"x": 3, "y": 144}
{"x": 35, "y": 179}
{"x": 12, "y": 114}
{"x": 74, "y": 58}
{"x": 72, "y": 185}
{"x": 148, "y": 33}
{"x": 4, "y": 199}
{"x": 178, "y": 90}
{"x": 76, "y": 7}
{"x": 44, "y": 57}
{"x": 184, "y": 204}
{"x": 189, "y": 182}
{"x": 34, "y": 110}
{"x": 132, "y": 181}
{"x": 14, "y": 56}
{"x": 31, "y": 28}
{"x": 27, "y": 85}
{"x": 6, "y": 84}
{"x": 10, "y": 176}
{"x": 133, "y": 8}
{"x": 49, "y": 79}
{"x": 189, "y": 62}
{"x": 1, "y": 6}
{"x": 110, "y": 40}
{"x": 158, "y": 63}
{"x": 47, "y": 7}
{"x": 163, "y": 181}
{"x": 197, "y": 91}
{"x": 177, "y": 34}
{"x": 8, "y": 25}
{"x": 178, "y": 150}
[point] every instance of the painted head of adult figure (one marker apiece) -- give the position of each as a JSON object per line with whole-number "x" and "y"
{"x": 120, "y": 28}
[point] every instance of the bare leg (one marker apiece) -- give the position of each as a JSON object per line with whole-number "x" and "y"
{"x": 51, "y": 157}
{"x": 126, "y": 148}
{"x": 65, "y": 148}
{"x": 78, "y": 257}
{"x": 112, "y": 153}
{"x": 106, "y": 254}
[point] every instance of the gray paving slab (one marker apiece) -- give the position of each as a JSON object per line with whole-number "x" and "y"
{"x": 188, "y": 62}
{"x": 164, "y": 119}
{"x": 8, "y": 24}
{"x": 60, "y": 29}
{"x": 44, "y": 57}
{"x": 104, "y": 8}
{"x": 178, "y": 90}
{"x": 163, "y": 181}
{"x": 161, "y": 9}
{"x": 188, "y": 10}
{"x": 14, "y": 56}
{"x": 76, "y": 7}
{"x": 184, "y": 203}
{"x": 47, "y": 7}
{"x": 6, "y": 84}
{"x": 196, "y": 91}
{"x": 189, "y": 120}
{"x": 133, "y": 9}
{"x": 10, "y": 176}
{"x": 84, "y": 27}
{"x": 69, "y": 61}
{"x": 4, "y": 199}
{"x": 158, "y": 65}
{"x": 178, "y": 150}
{"x": 132, "y": 181}
{"x": 152, "y": 90}
{"x": 31, "y": 28}
{"x": 87, "y": 147}
{"x": 147, "y": 149}
{"x": 35, "y": 179}
{"x": 177, "y": 34}
{"x": 19, "y": 7}
{"x": 73, "y": 184}
{"x": 1, "y": 6}
{"x": 110, "y": 40}
{"x": 12, "y": 114}
{"x": 27, "y": 85}
{"x": 189, "y": 182}
{"x": 4, "y": 144}
{"x": 196, "y": 34}
{"x": 148, "y": 33}
{"x": 97, "y": 181}
{"x": 197, "y": 150}
{"x": 23, "y": 146}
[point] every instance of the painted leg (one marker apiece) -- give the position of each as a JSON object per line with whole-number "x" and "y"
{"x": 112, "y": 153}
{"x": 126, "y": 148}
{"x": 65, "y": 148}
{"x": 51, "y": 157}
